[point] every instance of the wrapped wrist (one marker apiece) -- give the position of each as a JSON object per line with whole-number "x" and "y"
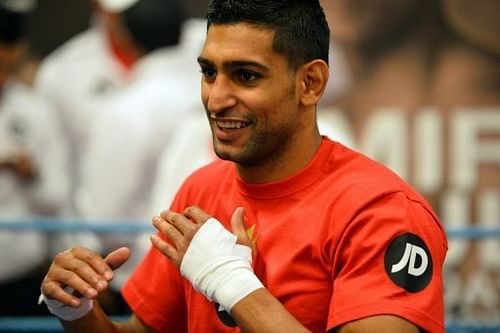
{"x": 66, "y": 312}
{"x": 218, "y": 267}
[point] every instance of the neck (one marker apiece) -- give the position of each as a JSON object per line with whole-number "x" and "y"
{"x": 297, "y": 153}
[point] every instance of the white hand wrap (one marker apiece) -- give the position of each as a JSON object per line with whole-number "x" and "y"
{"x": 65, "y": 312}
{"x": 218, "y": 267}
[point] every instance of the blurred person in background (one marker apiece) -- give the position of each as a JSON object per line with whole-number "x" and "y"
{"x": 190, "y": 148}
{"x": 85, "y": 71}
{"x": 130, "y": 127}
{"x": 146, "y": 112}
{"x": 424, "y": 99}
{"x": 388, "y": 47}
{"x": 76, "y": 79}
{"x": 33, "y": 162}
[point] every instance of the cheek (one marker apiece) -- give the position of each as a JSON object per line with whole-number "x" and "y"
{"x": 204, "y": 93}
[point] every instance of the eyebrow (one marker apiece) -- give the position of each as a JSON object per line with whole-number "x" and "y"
{"x": 233, "y": 64}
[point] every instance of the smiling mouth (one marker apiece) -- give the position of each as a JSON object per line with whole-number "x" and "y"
{"x": 231, "y": 124}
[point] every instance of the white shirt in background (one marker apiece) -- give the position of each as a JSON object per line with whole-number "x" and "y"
{"x": 28, "y": 125}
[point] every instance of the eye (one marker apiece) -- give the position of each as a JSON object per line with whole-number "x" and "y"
{"x": 247, "y": 76}
{"x": 208, "y": 73}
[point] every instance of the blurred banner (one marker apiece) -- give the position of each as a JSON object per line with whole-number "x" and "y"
{"x": 422, "y": 95}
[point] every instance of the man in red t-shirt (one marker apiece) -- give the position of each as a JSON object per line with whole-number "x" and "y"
{"x": 318, "y": 247}
{"x": 290, "y": 231}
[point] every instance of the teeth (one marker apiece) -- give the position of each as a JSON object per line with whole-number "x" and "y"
{"x": 231, "y": 124}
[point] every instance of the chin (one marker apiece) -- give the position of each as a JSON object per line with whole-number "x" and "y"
{"x": 222, "y": 152}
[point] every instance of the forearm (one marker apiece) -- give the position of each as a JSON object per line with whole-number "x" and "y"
{"x": 220, "y": 268}
{"x": 261, "y": 312}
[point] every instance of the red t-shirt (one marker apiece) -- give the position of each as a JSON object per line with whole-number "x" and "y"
{"x": 343, "y": 239}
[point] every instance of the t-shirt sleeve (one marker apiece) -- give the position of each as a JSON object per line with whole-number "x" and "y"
{"x": 389, "y": 262}
{"x": 155, "y": 293}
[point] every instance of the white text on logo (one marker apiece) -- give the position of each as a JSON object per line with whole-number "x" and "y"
{"x": 409, "y": 258}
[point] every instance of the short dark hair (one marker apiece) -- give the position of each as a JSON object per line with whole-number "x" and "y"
{"x": 155, "y": 23}
{"x": 300, "y": 27}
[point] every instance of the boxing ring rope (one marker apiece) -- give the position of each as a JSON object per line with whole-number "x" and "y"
{"x": 60, "y": 225}
{"x": 72, "y": 225}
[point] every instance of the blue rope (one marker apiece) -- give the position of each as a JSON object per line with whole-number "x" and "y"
{"x": 125, "y": 226}
{"x": 473, "y": 232}
{"x": 52, "y": 325}
{"x": 472, "y": 327}
{"x": 49, "y": 224}
{"x": 29, "y": 324}
{"x": 36, "y": 324}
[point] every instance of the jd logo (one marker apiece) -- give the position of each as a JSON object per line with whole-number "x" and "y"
{"x": 408, "y": 262}
{"x": 408, "y": 259}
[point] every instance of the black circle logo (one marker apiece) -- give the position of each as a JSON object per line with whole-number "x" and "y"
{"x": 408, "y": 262}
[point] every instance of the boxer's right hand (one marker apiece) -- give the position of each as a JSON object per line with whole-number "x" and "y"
{"x": 82, "y": 270}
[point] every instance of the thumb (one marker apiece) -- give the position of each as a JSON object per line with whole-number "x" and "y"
{"x": 117, "y": 258}
{"x": 238, "y": 227}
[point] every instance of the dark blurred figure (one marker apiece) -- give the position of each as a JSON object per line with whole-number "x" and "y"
{"x": 425, "y": 100}
{"x": 33, "y": 178}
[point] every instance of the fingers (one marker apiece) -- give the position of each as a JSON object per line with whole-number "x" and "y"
{"x": 91, "y": 258}
{"x": 180, "y": 222}
{"x": 180, "y": 229}
{"x": 186, "y": 223}
{"x": 177, "y": 229}
{"x": 59, "y": 278}
{"x": 197, "y": 214}
{"x": 81, "y": 269}
{"x": 117, "y": 258}
{"x": 167, "y": 249}
{"x": 238, "y": 227}
{"x": 55, "y": 291}
{"x": 167, "y": 229}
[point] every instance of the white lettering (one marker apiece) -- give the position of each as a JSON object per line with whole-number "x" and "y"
{"x": 385, "y": 139}
{"x": 409, "y": 258}
{"x": 467, "y": 150}
{"x": 429, "y": 151}
{"x": 403, "y": 261}
{"x": 417, "y": 271}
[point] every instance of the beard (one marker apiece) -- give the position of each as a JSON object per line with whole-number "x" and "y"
{"x": 264, "y": 146}
{"x": 269, "y": 139}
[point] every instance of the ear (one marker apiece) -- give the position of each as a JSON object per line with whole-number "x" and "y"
{"x": 313, "y": 78}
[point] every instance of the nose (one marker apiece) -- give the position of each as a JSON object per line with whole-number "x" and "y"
{"x": 219, "y": 94}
